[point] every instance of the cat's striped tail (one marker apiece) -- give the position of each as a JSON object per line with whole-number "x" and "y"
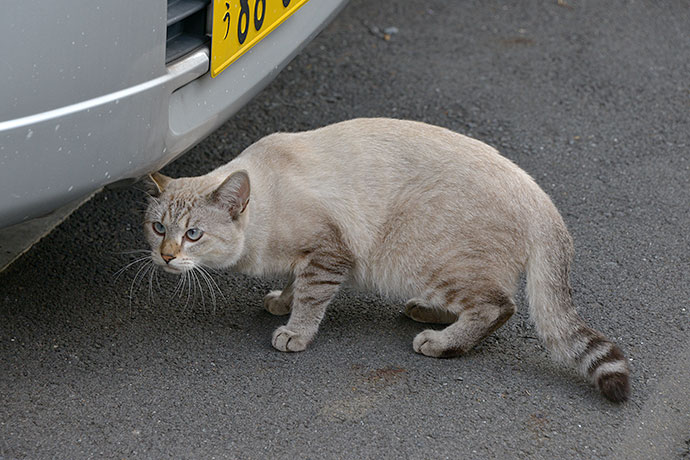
{"x": 566, "y": 335}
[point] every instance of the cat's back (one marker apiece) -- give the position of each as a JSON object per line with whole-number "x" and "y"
{"x": 380, "y": 147}
{"x": 384, "y": 140}
{"x": 384, "y": 162}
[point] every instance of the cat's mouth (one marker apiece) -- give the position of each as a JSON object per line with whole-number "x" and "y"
{"x": 173, "y": 270}
{"x": 177, "y": 266}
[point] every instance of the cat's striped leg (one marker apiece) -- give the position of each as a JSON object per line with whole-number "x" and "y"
{"x": 316, "y": 283}
{"x": 478, "y": 316}
{"x": 280, "y": 302}
{"x": 418, "y": 310}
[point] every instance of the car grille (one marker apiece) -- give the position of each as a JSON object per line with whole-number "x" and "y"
{"x": 186, "y": 27}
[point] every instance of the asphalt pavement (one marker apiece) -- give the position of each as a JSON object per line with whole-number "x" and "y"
{"x": 592, "y": 98}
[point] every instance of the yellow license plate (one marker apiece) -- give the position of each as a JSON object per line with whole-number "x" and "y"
{"x": 240, "y": 24}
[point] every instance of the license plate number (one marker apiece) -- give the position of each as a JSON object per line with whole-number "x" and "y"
{"x": 240, "y": 24}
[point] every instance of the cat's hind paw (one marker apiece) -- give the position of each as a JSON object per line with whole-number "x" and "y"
{"x": 275, "y": 304}
{"x": 286, "y": 340}
{"x": 417, "y": 311}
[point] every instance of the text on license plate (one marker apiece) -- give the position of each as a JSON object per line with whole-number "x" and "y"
{"x": 240, "y": 24}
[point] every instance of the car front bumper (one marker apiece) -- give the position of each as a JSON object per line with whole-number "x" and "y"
{"x": 52, "y": 157}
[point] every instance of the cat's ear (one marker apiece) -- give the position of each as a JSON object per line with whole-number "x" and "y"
{"x": 158, "y": 183}
{"x": 233, "y": 193}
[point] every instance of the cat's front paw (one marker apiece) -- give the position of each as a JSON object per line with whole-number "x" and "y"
{"x": 435, "y": 344}
{"x": 275, "y": 304}
{"x": 286, "y": 340}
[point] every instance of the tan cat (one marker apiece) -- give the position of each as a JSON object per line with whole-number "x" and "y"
{"x": 413, "y": 211}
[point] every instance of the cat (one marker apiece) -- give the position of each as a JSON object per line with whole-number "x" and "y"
{"x": 413, "y": 211}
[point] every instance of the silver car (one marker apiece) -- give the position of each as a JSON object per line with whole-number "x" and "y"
{"x": 92, "y": 93}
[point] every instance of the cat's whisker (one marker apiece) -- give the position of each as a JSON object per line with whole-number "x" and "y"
{"x": 211, "y": 281}
{"x": 134, "y": 251}
{"x": 153, "y": 272}
{"x": 119, "y": 273}
{"x": 211, "y": 291}
{"x": 158, "y": 283}
{"x": 140, "y": 274}
{"x": 191, "y": 288}
{"x": 143, "y": 202}
{"x": 186, "y": 281}
{"x": 192, "y": 283}
{"x": 206, "y": 269}
{"x": 211, "y": 269}
{"x": 152, "y": 198}
{"x": 147, "y": 193}
{"x": 179, "y": 287}
{"x": 201, "y": 288}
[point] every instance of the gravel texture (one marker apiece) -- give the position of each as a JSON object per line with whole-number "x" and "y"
{"x": 592, "y": 98}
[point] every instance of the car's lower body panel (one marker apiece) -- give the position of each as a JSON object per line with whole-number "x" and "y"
{"x": 58, "y": 156}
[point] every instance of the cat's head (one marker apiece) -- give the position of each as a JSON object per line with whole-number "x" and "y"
{"x": 191, "y": 223}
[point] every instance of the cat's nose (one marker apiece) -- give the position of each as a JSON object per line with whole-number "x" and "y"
{"x": 167, "y": 257}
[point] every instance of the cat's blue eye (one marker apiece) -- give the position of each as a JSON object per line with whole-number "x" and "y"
{"x": 159, "y": 228}
{"x": 193, "y": 234}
